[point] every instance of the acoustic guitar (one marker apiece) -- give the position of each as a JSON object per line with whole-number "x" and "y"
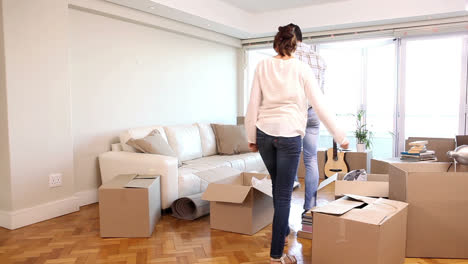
{"x": 335, "y": 161}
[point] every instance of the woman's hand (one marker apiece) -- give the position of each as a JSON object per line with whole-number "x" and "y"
{"x": 253, "y": 147}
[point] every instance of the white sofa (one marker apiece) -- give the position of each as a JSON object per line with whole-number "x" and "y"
{"x": 195, "y": 146}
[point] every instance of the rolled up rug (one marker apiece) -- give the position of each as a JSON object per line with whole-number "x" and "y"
{"x": 190, "y": 207}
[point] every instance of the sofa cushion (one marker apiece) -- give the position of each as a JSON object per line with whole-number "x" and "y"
{"x": 231, "y": 139}
{"x": 251, "y": 161}
{"x": 154, "y": 143}
{"x": 185, "y": 141}
{"x": 208, "y": 140}
{"x": 137, "y": 133}
{"x": 190, "y": 183}
{"x": 208, "y": 162}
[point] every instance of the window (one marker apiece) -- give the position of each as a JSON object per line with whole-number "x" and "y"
{"x": 342, "y": 85}
{"x": 427, "y": 98}
{"x": 381, "y": 80}
{"x": 432, "y": 86}
{"x": 359, "y": 75}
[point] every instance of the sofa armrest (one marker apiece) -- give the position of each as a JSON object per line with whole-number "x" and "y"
{"x": 114, "y": 163}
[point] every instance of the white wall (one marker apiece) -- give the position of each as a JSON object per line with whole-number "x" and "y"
{"x": 38, "y": 94}
{"x": 125, "y": 72}
{"x": 125, "y": 75}
{"x": 5, "y": 187}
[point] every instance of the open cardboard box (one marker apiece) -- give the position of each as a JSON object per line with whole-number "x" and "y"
{"x": 438, "y": 207}
{"x": 375, "y": 186}
{"x": 359, "y": 230}
{"x": 235, "y": 205}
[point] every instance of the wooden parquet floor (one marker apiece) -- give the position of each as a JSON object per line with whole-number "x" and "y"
{"x": 74, "y": 238}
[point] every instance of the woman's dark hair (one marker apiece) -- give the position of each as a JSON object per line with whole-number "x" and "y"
{"x": 285, "y": 41}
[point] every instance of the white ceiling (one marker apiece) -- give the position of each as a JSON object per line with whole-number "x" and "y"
{"x": 258, "y": 6}
{"x": 245, "y": 19}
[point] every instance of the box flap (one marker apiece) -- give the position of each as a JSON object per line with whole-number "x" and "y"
{"x": 139, "y": 183}
{"x": 376, "y": 212}
{"x": 370, "y": 214}
{"x": 118, "y": 181}
{"x": 226, "y": 193}
{"x": 338, "y": 207}
{"x": 326, "y": 182}
{"x": 262, "y": 185}
{"x": 360, "y": 198}
{"x": 217, "y": 174}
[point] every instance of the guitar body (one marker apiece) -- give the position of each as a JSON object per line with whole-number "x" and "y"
{"x": 335, "y": 162}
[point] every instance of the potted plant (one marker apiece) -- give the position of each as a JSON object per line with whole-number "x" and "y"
{"x": 363, "y": 136}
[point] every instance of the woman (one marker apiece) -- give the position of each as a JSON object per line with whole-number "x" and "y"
{"x": 275, "y": 124}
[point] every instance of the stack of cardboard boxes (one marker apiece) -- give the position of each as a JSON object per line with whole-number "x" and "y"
{"x": 434, "y": 224}
{"x": 362, "y": 229}
{"x": 425, "y": 215}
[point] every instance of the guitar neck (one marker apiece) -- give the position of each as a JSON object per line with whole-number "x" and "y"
{"x": 335, "y": 151}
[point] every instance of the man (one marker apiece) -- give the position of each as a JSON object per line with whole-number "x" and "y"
{"x": 305, "y": 53}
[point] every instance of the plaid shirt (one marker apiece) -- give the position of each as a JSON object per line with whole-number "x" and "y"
{"x": 305, "y": 54}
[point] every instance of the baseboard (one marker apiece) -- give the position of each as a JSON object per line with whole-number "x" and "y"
{"x": 87, "y": 197}
{"x": 5, "y": 219}
{"x": 28, "y": 216}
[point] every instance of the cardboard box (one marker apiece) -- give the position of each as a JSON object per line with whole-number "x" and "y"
{"x": 129, "y": 212}
{"x": 358, "y": 160}
{"x": 359, "y": 230}
{"x": 438, "y": 208}
{"x": 375, "y": 186}
{"x": 321, "y": 158}
{"x": 381, "y": 166}
{"x": 355, "y": 161}
{"x": 236, "y": 206}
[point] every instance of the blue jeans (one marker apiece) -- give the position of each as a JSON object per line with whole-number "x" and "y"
{"x": 281, "y": 157}
{"x": 310, "y": 159}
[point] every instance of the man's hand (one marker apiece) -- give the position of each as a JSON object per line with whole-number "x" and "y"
{"x": 253, "y": 147}
{"x": 345, "y": 145}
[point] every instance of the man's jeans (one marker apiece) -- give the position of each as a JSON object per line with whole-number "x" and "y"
{"x": 281, "y": 157}
{"x": 310, "y": 159}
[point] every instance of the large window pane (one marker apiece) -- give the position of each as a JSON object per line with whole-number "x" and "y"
{"x": 432, "y": 95}
{"x": 381, "y": 87}
{"x": 343, "y": 83}
{"x": 362, "y": 73}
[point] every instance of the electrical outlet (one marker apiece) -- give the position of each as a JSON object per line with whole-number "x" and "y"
{"x": 55, "y": 180}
